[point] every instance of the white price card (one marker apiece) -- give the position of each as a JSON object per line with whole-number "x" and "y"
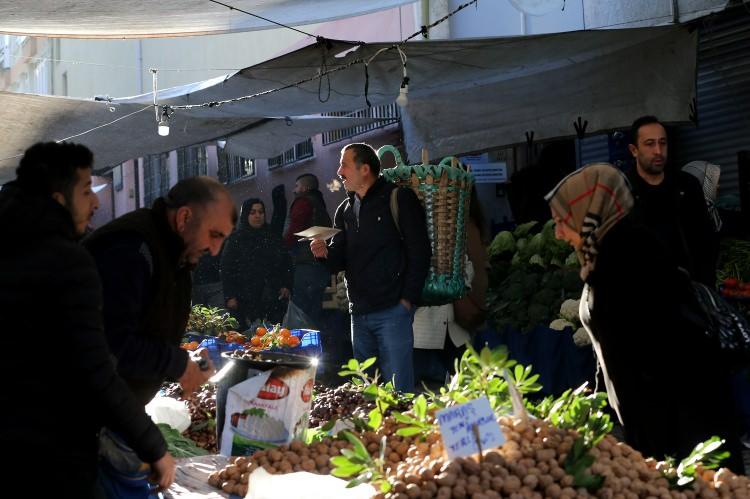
{"x": 457, "y": 427}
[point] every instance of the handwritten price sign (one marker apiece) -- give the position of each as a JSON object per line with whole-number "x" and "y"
{"x": 457, "y": 427}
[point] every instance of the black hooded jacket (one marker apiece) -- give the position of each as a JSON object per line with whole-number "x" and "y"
{"x": 62, "y": 384}
{"x": 383, "y": 263}
{"x": 254, "y": 265}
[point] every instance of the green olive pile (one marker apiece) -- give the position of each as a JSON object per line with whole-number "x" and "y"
{"x": 530, "y": 465}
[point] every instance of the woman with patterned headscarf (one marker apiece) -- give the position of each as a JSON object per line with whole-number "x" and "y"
{"x": 663, "y": 377}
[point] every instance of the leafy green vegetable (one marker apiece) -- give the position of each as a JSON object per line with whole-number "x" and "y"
{"x": 705, "y": 454}
{"x": 179, "y": 445}
{"x": 358, "y": 463}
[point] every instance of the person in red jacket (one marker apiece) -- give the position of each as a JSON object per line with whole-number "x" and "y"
{"x": 310, "y": 276}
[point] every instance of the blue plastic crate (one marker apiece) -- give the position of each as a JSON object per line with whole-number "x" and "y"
{"x": 216, "y": 347}
{"x": 309, "y": 344}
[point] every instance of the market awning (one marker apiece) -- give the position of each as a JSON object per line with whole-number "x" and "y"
{"x": 469, "y": 95}
{"x": 464, "y": 95}
{"x": 169, "y": 18}
{"x": 27, "y": 119}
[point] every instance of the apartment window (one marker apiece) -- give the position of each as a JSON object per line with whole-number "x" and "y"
{"x": 155, "y": 177}
{"x": 65, "y": 83}
{"x": 389, "y": 113}
{"x": 301, "y": 151}
{"x": 117, "y": 178}
{"x": 233, "y": 167}
{"x": 191, "y": 162}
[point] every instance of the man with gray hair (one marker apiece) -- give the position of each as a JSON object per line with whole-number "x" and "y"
{"x": 310, "y": 276}
{"x": 145, "y": 259}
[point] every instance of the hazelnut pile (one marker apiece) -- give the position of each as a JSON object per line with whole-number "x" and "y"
{"x": 529, "y": 465}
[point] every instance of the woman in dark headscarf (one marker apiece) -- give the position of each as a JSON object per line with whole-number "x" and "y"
{"x": 664, "y": 378}
{"x": 255, "y": 268}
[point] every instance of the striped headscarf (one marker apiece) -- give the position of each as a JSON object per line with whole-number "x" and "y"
{"x": 591, "y": 201}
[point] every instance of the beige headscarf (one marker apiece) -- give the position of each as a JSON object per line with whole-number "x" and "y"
{"x": 591, "y": 201}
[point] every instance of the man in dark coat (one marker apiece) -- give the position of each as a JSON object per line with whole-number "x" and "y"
{"x": 145, "y": 258}
{"x": 255, "y": 268}
{"x": 64, "y": 386}
{"x": 310, "y": 276}
{"x": 670, "y": 203}
{"x": 386, "y": 265}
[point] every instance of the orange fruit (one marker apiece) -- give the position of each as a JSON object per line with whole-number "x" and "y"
{"x": 261, "y": 331}
{"x": 293, "y": 341}
{"x": 255, "y": 341}
{"x": 285, "y": 333}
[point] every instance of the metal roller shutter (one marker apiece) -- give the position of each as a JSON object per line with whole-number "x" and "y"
{"x": 723, "y": 95}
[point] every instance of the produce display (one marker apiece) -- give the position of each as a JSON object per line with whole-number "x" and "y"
{"x": 556, "y": 447}
{"x": 210, "y": 321}
{"x": 532, "y": 274}
{"x": 276, "y": 337}
{"x": 202, "y": 406}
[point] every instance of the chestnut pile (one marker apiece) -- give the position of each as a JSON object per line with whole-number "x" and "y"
{"x": 202, "y": 408}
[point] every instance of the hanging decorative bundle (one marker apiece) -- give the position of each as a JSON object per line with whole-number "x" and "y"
{"x": 444, "y": 191}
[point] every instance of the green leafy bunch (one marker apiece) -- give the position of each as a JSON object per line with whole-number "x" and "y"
{"x": 384, "y": 395}
{"x": 527, "y": 288}
{"x": 480, "y": 374}
{"x": 583, "y": 412}
{"x": 578, "y": 410}
{"x": 705, "y": 454}
{"x": 210, "y": 321}
{"x": 357, "y": 463}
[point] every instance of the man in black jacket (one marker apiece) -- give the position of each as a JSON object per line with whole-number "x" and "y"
{"x": 386, "y": 265}
{"x": 64, "y": 385}
{"x": 144, "y": 259}
{"x": 310, "y": 276}
{"x": 670, "y": 203}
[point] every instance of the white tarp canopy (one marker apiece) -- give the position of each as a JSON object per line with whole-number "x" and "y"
{"x": 27, "y": 119}
{"x": 168, "y": 18}
{"x": 464, "y": 95}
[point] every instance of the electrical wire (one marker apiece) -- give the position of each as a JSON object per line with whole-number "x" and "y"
{"x": 261, "y": 17}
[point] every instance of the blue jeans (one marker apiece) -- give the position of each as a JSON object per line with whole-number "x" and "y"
{"x": 388, "y": 335}
{"x": 310, "y": 281}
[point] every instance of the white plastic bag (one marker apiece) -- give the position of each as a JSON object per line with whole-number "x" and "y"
{"x": 303, "y": 485}
{"x": 296, "y": 318}
{"x": 169, "y": 411}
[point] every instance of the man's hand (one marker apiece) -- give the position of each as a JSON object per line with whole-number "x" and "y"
{"x": 193, "y": 377}
{"x": 284, "y": 294}
{"x": 232, "y": 303}
{"x": 163, "y": 471}
{"x": 319, "y": 248}
{"x": 406, "y": 303}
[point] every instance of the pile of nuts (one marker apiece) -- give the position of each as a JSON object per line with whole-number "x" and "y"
{"x": 530, "y": 464}
{"x": 202, "y": 408}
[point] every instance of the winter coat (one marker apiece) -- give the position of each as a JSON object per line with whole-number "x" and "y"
{"x": 62, "y": 384}
{"x": 675, "y": 211}
{"x": 254, "y": 267}
{"x": 146, "y": 296}
{"x": 383, "y": 263}
{"x": 307, "y": 210}
{"x": 665, "y": 378}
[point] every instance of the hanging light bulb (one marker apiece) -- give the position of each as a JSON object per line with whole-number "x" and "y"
{"x": 402, "y": 100}
{"x": 164, "y": 123}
